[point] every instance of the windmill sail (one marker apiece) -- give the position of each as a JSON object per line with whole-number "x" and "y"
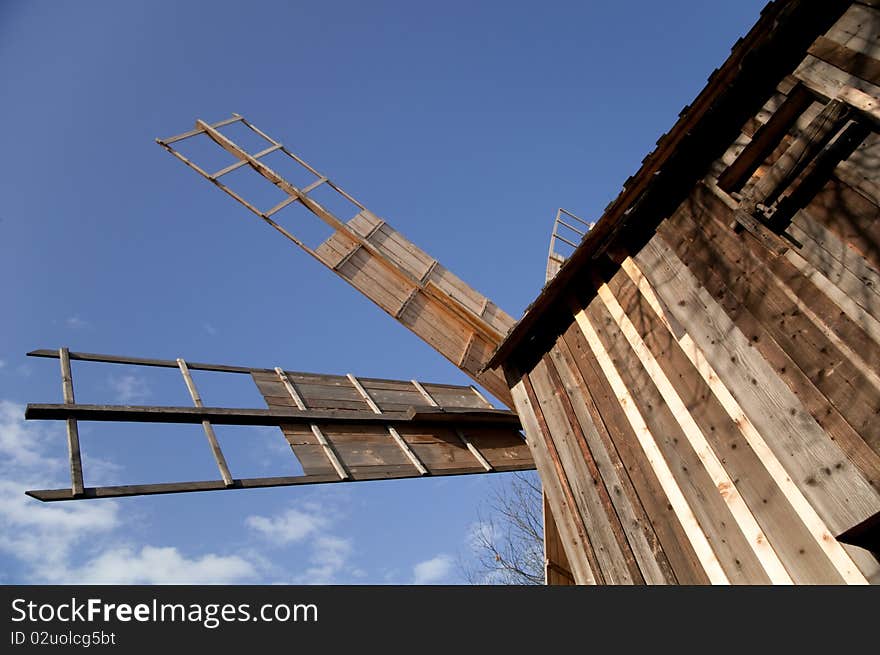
{"x": 414, "y": 288}
{"x": 341, "y": 428}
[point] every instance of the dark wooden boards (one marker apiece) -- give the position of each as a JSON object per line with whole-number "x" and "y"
{"x": 121, "y": 491}
{"x": 244, "y": 416}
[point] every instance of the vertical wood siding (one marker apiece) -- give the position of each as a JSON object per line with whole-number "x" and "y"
{"x": 711, "y": 414}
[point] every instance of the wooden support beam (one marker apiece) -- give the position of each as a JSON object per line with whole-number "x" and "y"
{"x": 774, "y": 242}
{"x": 461, "y": 435}
{"x": 473, "y": 450}
{"x": 209, "y": 429}
{"x": 76, "y": 474}
{"x": 363, "y": 392}
{"x": 329, "y": 450}
{"x": 274, "y": 417}
{"x": 391, "y": 429}
{"x": 481, "y": 397}
{"x": 314, "y": 185}
{"x": 243, "y": 162}
{"x": 801, "y": 151}
{"x": 143, "y": 361}
{"x": 381, "y": 473}
{"x": 180, "y": 137}
{"x": 766, "y": 139}
{"x": 425, "y": 394}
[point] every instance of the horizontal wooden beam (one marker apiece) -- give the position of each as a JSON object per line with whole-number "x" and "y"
{"x": 143, "y": 361}
{"x": 193, "y": 366}
{"x": 241, "y": 416}
{"x": 366, "y": 473}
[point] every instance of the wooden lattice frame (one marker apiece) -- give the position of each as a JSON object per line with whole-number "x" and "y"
{"x": 432, "y": 438}
{"x": 407, "y": 283}
{"x": 563, "y": 232}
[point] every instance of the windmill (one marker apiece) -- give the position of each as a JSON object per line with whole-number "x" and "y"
{"x": 340, "y": 428}
{"x": 698, "y": 381}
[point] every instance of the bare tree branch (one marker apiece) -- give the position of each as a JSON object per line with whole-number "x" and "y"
{"x": 507, "y": 541}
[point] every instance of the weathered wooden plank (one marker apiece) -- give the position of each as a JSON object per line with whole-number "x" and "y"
{"x": 833, "y": 83}
{"x": 843, "y": 497}
{"x": 455, "y": 288}
{"x": 73, "y": 449}
{"x": 371, "y": 278}
{"x": 579, "y": 446}
{"x": 853, "y": 62}
{"x": 861, "y": 169}
{"x": 861, "y": 317}
{"x": 556, "y": 568}
{"x": 647, "y": 550}
{"x": 857, "y": 29}
{"x": 143, "y": 361}
{"x": 401, "y": 443}
{"x": 802, "y": 148}
{"x": 766, "y": 286}
{"x": 336, "y": 249}
{"x": 798, "y": 503}
{"x": 389, "y": 242}
{"x": 328, "y": 392}
{"x": 500, "y": 448}
{"x": 765, "y": 140}
{"x": 272, "y": 416}
{"x": 425, "y": 318}
{"x": 206, "y": 425}
{"x": 573, "y": 536}
{"x": 473, "y": 449}
{"x": 704, "y": 262}
{"x": 587, "y": 550}
{"x": 619, "y": 436}
{"x": 848, "y": 270}
{"x": 696, "y": 537}
{"x": 849, "y": 215}
{"x": 329, "y": 451}
{"x": 372, "y": 473}
{"x": 425, "y": 394}
{"x": 498, "y": 318}
{"x": 612, "y": 553}
{"x": 722, "y": 524}
{"x": 365, "y": 223}
{"x": 744, "y": 453}
{"x": 480, "y": 397}
{"x": 384, "y": 397}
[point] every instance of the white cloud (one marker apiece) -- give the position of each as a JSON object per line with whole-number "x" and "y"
{"x": 129, "y": 389}
{"x": 210, "y": 329}
{"x": 152, "y": 565}
{"x": 76, "y": 322}
{"x": 100, "y": 471}
{"x": 91, "y": 541}
{"x": 23, "y": 444}
{"x": 2, "y": 363}
{"x": 432, "y": 571}
{"x": 290, "y": 526}
{"x": 47, "y": 539}
{"x": 329, "y": 557}
{"x": 41, "y": 535}
{"x": 329, "y": 554}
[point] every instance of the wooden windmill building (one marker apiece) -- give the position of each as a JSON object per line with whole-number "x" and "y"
{"x": 698, "y": 383}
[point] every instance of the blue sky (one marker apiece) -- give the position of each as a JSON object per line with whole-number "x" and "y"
{"x": 465, "y": 125}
